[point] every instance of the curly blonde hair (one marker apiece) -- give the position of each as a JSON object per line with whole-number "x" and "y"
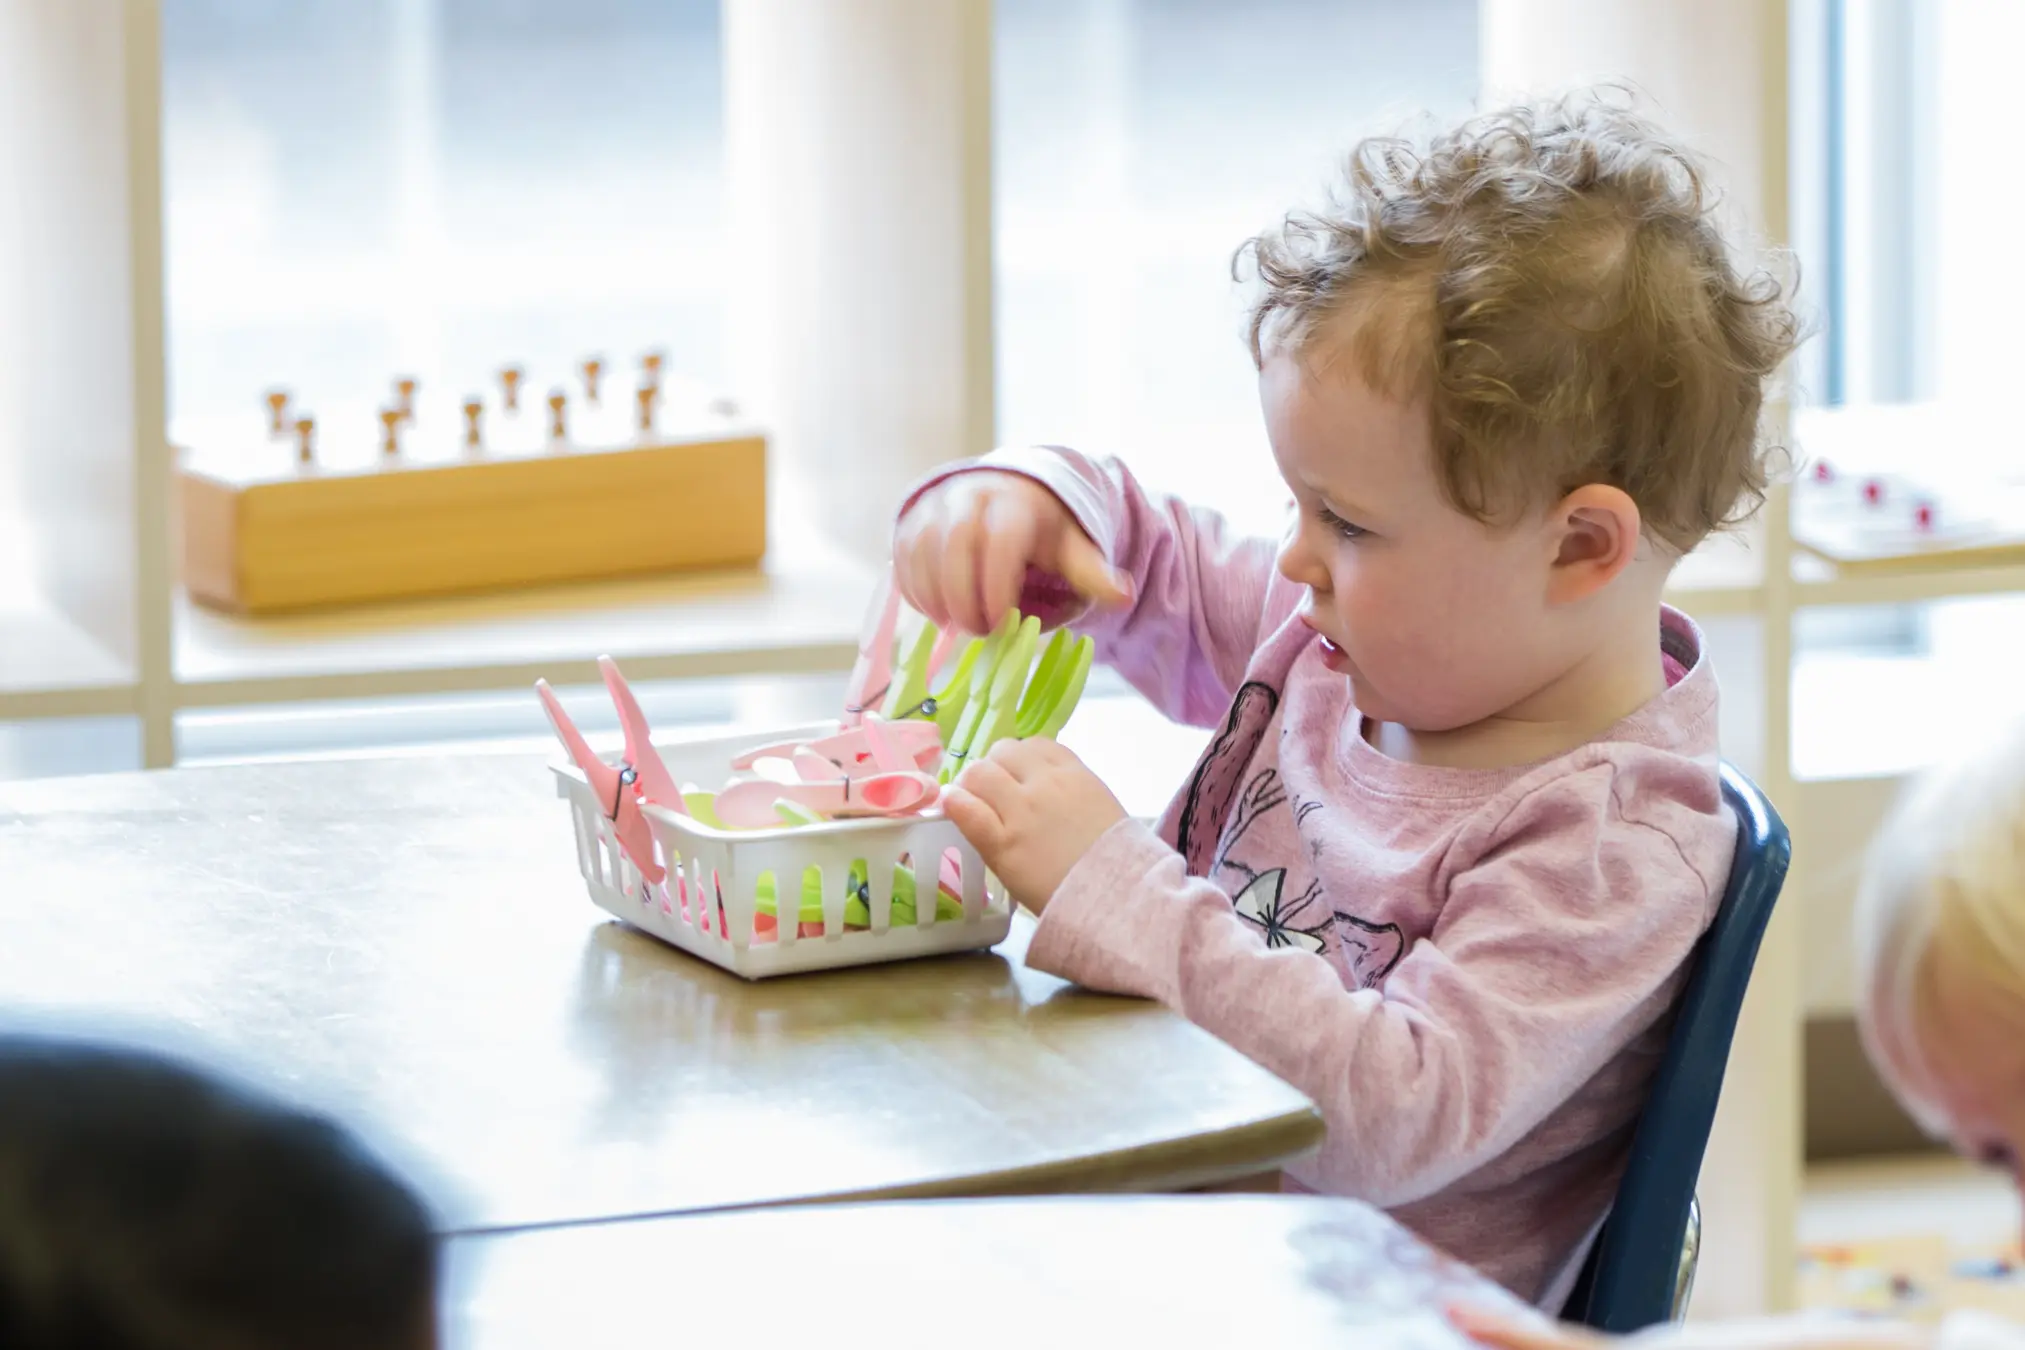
{"x": 1551, "y": 279}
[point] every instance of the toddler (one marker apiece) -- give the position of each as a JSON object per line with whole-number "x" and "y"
{"x": 147, "y": 1205}
{"x": 1940, "y": 925}
{"x": 1459, "y": 825}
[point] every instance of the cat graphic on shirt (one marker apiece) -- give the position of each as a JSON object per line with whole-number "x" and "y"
{"x": 1280, "y": 898}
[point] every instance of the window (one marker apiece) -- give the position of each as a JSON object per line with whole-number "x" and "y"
{"x": 1863, "y": 174}
{"x": 1903, "y": 204}
{"x": 1139, "y": 143}
{"x": 1901, "y": 215}
{"x": 359, "y": 189}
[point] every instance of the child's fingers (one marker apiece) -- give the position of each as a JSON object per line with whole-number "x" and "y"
{"x": 914, "y": 573}
{"x": 987, "y": 780}
{"x": 958, "y": 581}
{"x": 919, "y": 541}
{"x": 1505, "y": 1332}
{"x": 1010, "y": 532}
{"x": 1079, "y": 562}
{"x": 1018, "y": 760}
{"x": 974, "y": 820}
{"x": 1007, "y": 757}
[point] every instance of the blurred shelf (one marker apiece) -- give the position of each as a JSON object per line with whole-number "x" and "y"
{"x": 1724, "y": 577}
{"x": 50, "y": 667}
{"x": 1912, "y": 582}
{"x": 799, "y": 616}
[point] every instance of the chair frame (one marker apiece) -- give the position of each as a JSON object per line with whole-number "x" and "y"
{"x": 1641, "y": 1269}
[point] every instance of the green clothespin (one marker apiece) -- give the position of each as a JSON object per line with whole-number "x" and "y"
{"x": 1051, "y": 693}
{"x": 908, "y": 695}
{"x": 857, "y": 910}
{"x": 1006, "y": 690}
{"x": 765, "y": 899}
{"x": 958, "y": 717}
{"x": 1043, "y": 686}
{"x": 911, "y": 694}
{"x": 1081, "y": 658}
{"x": 994, "y": 695}
{"x": 702, "y": 807}
{"x": 905, "y": 909}
{"x": 954, "y": 696}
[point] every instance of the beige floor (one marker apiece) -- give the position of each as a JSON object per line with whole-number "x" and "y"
{"x": 1912, "y": 1238}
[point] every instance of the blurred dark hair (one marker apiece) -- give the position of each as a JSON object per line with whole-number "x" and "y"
{"x": 146, "y": 1203}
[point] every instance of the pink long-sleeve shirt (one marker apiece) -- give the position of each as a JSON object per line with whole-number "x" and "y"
{"x": 1469, "y": 971}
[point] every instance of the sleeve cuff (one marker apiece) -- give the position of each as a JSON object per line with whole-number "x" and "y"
{"x": 1074, "y": 480}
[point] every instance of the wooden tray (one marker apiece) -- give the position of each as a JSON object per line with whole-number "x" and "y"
{"x": 423, "y": 498}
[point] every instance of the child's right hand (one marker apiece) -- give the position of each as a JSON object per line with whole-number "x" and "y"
{"x": 961, "y": 552}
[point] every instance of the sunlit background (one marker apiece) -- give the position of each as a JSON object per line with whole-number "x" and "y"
{"x": 356, "y": 189}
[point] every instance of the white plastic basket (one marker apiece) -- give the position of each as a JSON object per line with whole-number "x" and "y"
{"x": 739, "y": 858}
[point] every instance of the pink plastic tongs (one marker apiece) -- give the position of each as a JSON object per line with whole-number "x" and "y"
{"x": 639, "y": 777}
{"x": 897, "y": 786}
{"x": 911, "y": 743}
{"x": 918, "y": 743}
{"x": 874, "y": 669}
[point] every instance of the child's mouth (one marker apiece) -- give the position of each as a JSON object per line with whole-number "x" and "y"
{"x": 1333, "y": 656}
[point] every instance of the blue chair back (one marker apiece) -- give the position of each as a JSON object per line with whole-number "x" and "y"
{"x": 1630, "y": 1277}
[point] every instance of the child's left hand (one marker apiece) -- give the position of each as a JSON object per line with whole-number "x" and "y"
{"x": 1032, "y": 810}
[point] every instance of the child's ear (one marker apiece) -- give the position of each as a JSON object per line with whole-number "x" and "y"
{"x": 1597, "y": 530}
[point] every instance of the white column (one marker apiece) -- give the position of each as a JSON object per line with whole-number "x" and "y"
{"x": 858, "y": 153}
{"x": 82, "y": 452}
{"x": 154, "y": 497}
{"x": 1714, "y": 71}
{"x": 1978, "y": 284}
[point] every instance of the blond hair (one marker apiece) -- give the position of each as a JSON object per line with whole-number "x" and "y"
{"x": 1552, "y": 280}
{"x": 1940, "y": 919}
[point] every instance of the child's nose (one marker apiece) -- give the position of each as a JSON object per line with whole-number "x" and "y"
{"x": 1297, "y": 562}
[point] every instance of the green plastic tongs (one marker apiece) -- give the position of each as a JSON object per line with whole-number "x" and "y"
{"x": 993, "y": 690}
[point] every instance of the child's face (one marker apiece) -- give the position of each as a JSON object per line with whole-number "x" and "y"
{"x": 1438, "y": 620}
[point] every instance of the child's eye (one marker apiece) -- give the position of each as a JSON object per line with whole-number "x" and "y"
{"x": 1998, "y": 1156}
{"x": 1337, "y": 523}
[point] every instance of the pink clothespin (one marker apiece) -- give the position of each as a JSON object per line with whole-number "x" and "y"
{"x": 874, "y": 669}
{"x": 947, "y": 642}
{"x": 850, "y": 750}
{"x": 888, "y": 756}
{"x": 750, "y": 804}
{"x": 653, "y": 780}
{"x": 816, "y": 768}
{"x": 614, "y": 786}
